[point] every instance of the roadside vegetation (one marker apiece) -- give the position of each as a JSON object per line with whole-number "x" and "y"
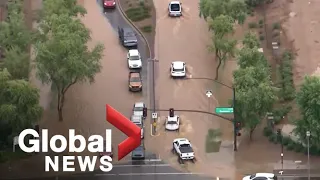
{"x": 138, "y": 11}
{"x": 19, "y": 108}
{"x": 60, "y": 61}
{"x": 257, "y": 94}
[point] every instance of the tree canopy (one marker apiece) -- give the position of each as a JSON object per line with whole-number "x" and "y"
{"x": 62, "y": 55}
{"x": 255, "y": 94}
{"x": 19, "y": 108}
{"x": 236, "y": 9}
{"x": 222, "y": 45}
{"x": 15, "y": 39}
{"x": 308, "y": 100}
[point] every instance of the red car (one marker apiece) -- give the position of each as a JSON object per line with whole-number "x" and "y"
{"x": 109, "y": 4}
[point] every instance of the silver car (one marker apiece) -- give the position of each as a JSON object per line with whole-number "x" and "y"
{"x": 138, "y": 108}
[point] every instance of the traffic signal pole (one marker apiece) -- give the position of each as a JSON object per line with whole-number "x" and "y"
{"x": 235, "y": 148}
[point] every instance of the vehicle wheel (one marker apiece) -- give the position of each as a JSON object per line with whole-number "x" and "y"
{"x": 173, "y": 150}
{"x": 193, "y": 160}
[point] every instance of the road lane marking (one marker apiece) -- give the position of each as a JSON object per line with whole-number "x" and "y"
{"x": 141, "y": 165}
{"x": 148, "y": 174}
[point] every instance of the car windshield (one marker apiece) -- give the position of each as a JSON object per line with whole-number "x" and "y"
{"x": 129, "y": 34}
{"x": 134, "y": 58}
{"x": 175, "y": 7}
{"x": 138, "y": 108}
{"x": 178, "y": 70}
{"x": 171, "y": 122}
{"x": 185, "y": 145}
{"x": 135, "y": 79}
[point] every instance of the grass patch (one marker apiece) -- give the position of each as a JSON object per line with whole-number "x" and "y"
{"x": 10, "y": 156}
{"x": 252, "y": 25}
{"x": 138, "y": 13}
{"x": 146, "y": 29}
{"x": 276, "y": 26}
{"x": 213, "y": 141}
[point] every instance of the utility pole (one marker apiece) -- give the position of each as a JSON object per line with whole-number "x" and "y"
{"x": 235, "y": 148}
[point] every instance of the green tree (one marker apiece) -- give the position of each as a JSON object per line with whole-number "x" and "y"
{"x": 222, "y": 45}
{"x": 19, "y": 108}
{"x": 15, "y": 39}
{"x": 250, "y": 40}
{"x": 255, "y": 96}
{"x": 308, "y": 100}
{"x": 214, "y": 8}
{"x": 69, "y": 7}
{"x": 254, "y": 3}
{"x": 63, "y": 57}
{"x": 251, "y": 57}
{"x": 13, "y": 31}
{"x": 17, "y": 63}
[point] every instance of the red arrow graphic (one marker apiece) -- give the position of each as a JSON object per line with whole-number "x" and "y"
{"x": 127, "y": 127}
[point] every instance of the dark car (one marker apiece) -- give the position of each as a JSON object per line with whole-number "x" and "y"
{"x": 109, "y": 4}
{"x": 127, "y": 37}
{"x": 138, "y": 153}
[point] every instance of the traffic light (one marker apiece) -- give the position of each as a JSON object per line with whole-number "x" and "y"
{"x": 144, "y": 112}
{"x": 238, "y": 128}
{"x": 279, "y": 132}
{"x": 171, "y": 112}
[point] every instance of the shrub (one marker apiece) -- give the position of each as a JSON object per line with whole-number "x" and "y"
{"x": 285, "y": 140}
{"x": 267, "y": 131}
{"x": 279, "y": 112}
{"x": 298, "y": 147}
{"x": 261, "y": 21}
{"x": 273, "y": 138}
{"x": 276, "y": 26}
{"x": 252, "y": 25}
{"x": 138, "y": 13}
{"x": 291, "y": 145}
{"x": 261, "y": 38}
{"x": 147, "y": 29}
{"x": 287, "y": 92}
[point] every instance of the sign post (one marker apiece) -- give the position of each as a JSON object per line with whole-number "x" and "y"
{"x": 15, "y": 142}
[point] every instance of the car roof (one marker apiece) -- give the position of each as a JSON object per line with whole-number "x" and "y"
{"x": 136, "y": 119}
{"x": 133, "y": 52}
{"x": 174, "y": 118}
{"x": 178, "y": 64}
{"x": 127, "y": 29}
{"x": 139, "y": 104}
{"x": 264, "y": 175}
{"x": 134, "y": 74}
{"x": 175, "y": 2}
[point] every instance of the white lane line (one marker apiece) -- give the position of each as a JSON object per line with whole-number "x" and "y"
{"x": 142, "y": 165}
{"x": 146, "y": 160}
{"x": 148, "y": 174}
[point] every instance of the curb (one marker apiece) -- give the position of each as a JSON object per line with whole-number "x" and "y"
{"x": 134, "y": 26}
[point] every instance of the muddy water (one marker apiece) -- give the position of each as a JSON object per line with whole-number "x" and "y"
{"x": 186, "y": 39}
{"x": 85, "y": 103}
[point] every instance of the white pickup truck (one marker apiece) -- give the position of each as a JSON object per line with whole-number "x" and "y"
{"x": 183, "y": 148}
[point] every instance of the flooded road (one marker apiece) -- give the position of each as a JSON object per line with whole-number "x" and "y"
{"x": 186, "y": 39}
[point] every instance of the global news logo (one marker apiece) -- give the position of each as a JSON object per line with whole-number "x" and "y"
{"x": 94, "y": 144}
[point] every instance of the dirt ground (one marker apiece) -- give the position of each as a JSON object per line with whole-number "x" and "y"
{"x": 300, "y": 32}
{"x": 151, "y": 21}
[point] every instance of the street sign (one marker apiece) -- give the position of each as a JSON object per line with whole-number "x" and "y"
{"x": 224, "y": 110}
{"x": 154, "y": 115}
{"x": 15, "y": 142}
{"x": 209, "y": 93}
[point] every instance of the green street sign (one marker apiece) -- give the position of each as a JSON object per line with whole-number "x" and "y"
{"x": 224, "y": 110}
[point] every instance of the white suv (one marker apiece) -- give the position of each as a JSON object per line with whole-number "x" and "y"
{"x": 178, "y": 69}
{"x": 175, "y": 9}
{"x": 134, "y": 59}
